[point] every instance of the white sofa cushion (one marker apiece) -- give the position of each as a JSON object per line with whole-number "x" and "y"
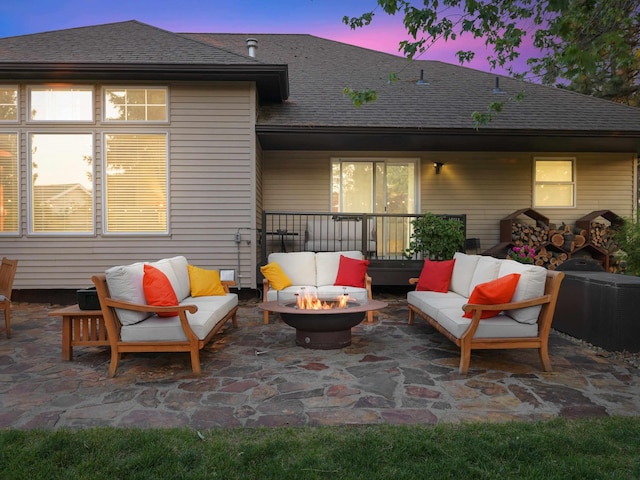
{"x": 531, "y": 285}
{"x": 430, "y": 302}
{"x": 211, "y": 310}
{"x": 462, "y": 273}
{"x": 181, "y": 270}
{"x": 327, "y": 264}
{"x": 125, "y": 284}
{"x": 500, "y": 326}
{"x": 300, "y": 267}
{"x": 487, "y": 270}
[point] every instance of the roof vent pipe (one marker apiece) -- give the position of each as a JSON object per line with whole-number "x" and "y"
{"x": 497, "y": 88}
{"x": 422, "y": 81}
{"x": 252, "y": 45}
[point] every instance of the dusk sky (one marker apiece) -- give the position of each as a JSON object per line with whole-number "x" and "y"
{"x": 322, "y": 18}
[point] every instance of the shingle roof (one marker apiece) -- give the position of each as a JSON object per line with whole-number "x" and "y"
{"x": 312, "y": 72}
{"x": 319, "y": 69}
{"x": 130, "y": 42}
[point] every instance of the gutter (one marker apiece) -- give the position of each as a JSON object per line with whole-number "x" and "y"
{"x": 272, "y": 80}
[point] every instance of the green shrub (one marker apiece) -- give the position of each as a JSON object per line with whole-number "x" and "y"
{"x": 435, "y": 237}
{"x": 627, "y": 236}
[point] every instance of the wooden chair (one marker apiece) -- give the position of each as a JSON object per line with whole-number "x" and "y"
{"x": 7, "y": 274}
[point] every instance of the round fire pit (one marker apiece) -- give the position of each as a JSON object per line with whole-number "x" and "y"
{"x": 323, "y": 329}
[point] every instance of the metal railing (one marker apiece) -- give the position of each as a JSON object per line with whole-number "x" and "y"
{"x": 378, "y": 236}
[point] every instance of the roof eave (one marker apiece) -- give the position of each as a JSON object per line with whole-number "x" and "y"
{"x": 445, "y": 139}
{"x": 272, "y": 81}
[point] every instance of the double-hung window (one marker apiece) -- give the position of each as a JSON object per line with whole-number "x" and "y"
{"x": 554, "y": 182}
{"x": 135, "y": 161}
{"x": 61, "y": 162}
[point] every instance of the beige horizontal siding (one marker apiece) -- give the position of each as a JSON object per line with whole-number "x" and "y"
{"x": 485, "y": 186}
{"x": 212, "y": 194}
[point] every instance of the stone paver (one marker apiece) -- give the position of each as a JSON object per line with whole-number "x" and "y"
{"x": 256, "y": 376}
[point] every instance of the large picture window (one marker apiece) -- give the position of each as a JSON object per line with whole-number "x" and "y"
{"x": 8, "y": 104}
{"x": 9, "y": 181}
{"x": 61, "y": 104}
{"x": 554, "y": 182}
{"x": 135, "y": 104}
{"x": 61, "y": 183}
{"x": 135, "y": 171}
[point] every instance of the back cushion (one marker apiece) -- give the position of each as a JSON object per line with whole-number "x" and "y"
{"x": 463, "y": 271}
{"x": 300, "y": 267}
{"x": 125, "y": 283}
{"x": 327, "y": 264}
{"x": 486, "y": 270}
{"x": 532, "y": 282}
{"x": 166, "y": 266}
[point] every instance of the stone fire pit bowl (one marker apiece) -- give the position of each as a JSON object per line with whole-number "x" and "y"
{"x": 323, "y": 329}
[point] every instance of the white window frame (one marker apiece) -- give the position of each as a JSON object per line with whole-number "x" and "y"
{"x": 134, "y": 87}
{"x": 17, "y": 89}
{"x": 61, "y": 88}
{"x": 573, "y": 181}
{"x": 19, "y": 183}
{"x": 374, "y": 160}
{"x": 30, "y": 211}
{"x": 105, "y": 204}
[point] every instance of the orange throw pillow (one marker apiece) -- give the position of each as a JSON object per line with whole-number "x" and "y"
{"x": 158, "y": 290}
{"x": 351, "y": 272}
{"x": 435, "y": 276}
{"x": 497, "y": 291}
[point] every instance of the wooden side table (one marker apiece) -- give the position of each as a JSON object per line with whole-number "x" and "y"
{"x": 80, "y": 328}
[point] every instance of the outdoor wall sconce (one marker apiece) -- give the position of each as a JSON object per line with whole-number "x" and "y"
{"x": 438, "y": 167}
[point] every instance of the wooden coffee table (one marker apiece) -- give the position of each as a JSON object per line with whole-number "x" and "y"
{"x": 80, "y": 328}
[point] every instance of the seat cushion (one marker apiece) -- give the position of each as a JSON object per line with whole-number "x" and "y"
{"x": 211, "y": 310}
{"x": 430, "y": 302}
{"x": 500, "y": 326}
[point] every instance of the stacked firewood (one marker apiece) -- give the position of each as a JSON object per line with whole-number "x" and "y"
{"x": 602, "y": 236}
{"x": 540, "y": 236}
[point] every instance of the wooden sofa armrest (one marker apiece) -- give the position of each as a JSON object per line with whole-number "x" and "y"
{"x": 228, "y": 283}
{"x": 138, "y": 307}
{"x": 532, "y": 302}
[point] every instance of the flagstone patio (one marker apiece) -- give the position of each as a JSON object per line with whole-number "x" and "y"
{"x": 255, "y": 375}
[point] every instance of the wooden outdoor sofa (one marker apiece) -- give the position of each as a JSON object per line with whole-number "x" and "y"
{"x": 524, "y": 322}
{"x": 134, "y": 326}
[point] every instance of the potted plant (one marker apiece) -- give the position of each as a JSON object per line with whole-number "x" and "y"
{"x": 435, "y": 237}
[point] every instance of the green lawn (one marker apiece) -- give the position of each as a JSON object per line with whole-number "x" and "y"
{"x": 586, "y": 449}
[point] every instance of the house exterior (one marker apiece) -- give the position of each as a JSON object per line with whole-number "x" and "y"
{"x": 182, "y": 141}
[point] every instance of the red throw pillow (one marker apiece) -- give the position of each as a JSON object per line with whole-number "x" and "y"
{"x": 497, "y": 291}
{"x": 158, "y": 290}
{"x": 435, "y": 276}
{"x": 351, "y": 272}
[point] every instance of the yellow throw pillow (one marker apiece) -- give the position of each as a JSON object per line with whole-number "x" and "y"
{"x": 277, "y": 278}
{"x": 205, "y": 282}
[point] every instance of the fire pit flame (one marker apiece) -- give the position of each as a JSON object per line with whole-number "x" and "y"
{"x": 310, "y": 301}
